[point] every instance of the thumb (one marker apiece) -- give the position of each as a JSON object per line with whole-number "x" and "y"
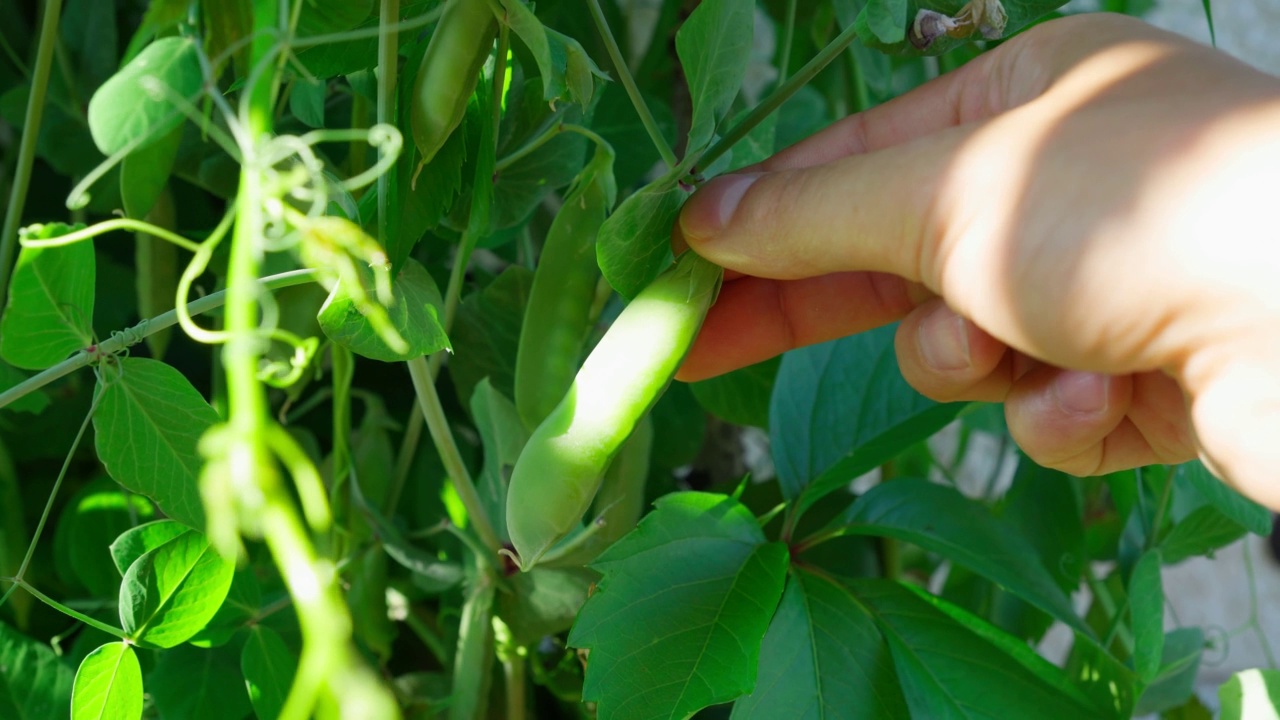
{"x": 860, "y": 212}
{"x": 1237, "y": 421}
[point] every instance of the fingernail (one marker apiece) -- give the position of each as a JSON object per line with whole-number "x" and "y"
{"x": 1082, "y": 393}
{"x": 944, "y": 340}
{"x": 711, "y": 208}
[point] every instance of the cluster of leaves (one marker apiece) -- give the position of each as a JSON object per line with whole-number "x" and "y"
{"x": 788, "y": 597}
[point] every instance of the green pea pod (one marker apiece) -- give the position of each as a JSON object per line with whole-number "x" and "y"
{"x": 449, "y": 71}
{"x": 558, "y": 316}
{"x": 561, "y": 467}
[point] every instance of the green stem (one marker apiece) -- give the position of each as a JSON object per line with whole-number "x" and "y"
{"x": 514, "y": 672}
{"x": 543, "y": 138}
{"x": 97, "y": 624}
{"x": 1165, "y": 497}
{"x": 861, "y": 93}
{"x": 628, "y": 82}
{"x": 388, "y": 63}
{"x": 442, "y": 436}
{"x": 779, "y": 96}
{"x": 48, "y": 505}
{"x": 27, "y": 147}
{"x": 134, "y": 335}
{"x": 788, "y": 37}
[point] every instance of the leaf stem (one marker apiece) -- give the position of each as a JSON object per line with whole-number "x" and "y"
{"x": 92, "y": 622}
{"x": 542, "y": 139}
{"x": 1165, "y": 496}
{"x": 27, "y": 147}
{"x": 438, "y": 426}
{"x": 779, "y": 96}
{"x": 628, "y": 82}
{"x": 135, "y": 334}
{"x": 388, "y": 47}
{"x": 788, "y": 37}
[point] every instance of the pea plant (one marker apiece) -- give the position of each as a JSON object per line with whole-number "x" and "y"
{"x": 243, "y": 516}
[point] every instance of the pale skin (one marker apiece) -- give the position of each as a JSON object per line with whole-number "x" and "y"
{"x": 1080, "y": 224}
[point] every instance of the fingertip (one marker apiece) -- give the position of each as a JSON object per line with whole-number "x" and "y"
{"x": 708, "y": 212}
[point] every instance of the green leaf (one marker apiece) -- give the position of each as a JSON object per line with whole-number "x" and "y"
{"x": 1251, "y": 695}
{"x": 949, "y": 671}
{"x": 50, "y": 310}
{"x": 486, "y": 334}
{"x": 238, "y": 610}
{"x": 430, "y": 573}
{"x": 841, "y": 408}
{"x": 714, "y": 46}
{"x": 676, "y": 622}
{"x": 108, "y": 685}
{"x": 321, "y": 17}
{"x": 679, "y": 428}
{"x": 306, "y": 101}
{"x": 1146, "y": 612}
{"x": 144, "y": 173}
{"x": 417, "y": 314}
{"x": 941, "y": 520}
{"x": 190, "y": 683}
{"x": 503, "y": 436}
{"x": 616, "y": 120}
{"x": 1045, "y": 506}
{"x": 1255, "y": 518}
{"x": 268, "y": 667}
{"x": 146, "y": 428}
{"x": 823, "y": 649}
{"x": 565, "y": 69}
{"x": 1179, "y": 666}
{"x": 133, "y": 107}
{"x": 742, "y": 396}
{"x": 887, "y": 19}
{"x": 634, "y": 243}
{"x": 543, "y": 601}
{"x": 34, "y": 682}
{"x": 1205, "y": 530}
{"x": 138, "y": 541}
{"x": 96, "y": 515}
{"x": 1110, "y": 684}
{"x": 170, "y": 593}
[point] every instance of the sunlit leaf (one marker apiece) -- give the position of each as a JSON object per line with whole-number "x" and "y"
{"x": 133, "y": 106}
{"x": 634, "y": 244}
{"x": 50, "y": 306}
{"x": 268, "y": 667}
{"x": 170, "y": 593}
{"x": 35, "y": 684}
{"x": 714, "y": 45}
{"x": 108, "y": 685}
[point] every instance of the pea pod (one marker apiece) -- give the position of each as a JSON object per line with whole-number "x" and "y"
{"x": 560, "y": 468}
{"x": 558, "y": 315}
{"x": 449, "y": 71}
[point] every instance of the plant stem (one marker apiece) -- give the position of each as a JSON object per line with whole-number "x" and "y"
{"x": 404, "y": 459}
{"x": 134, "y": 335}
{"x": 779, "y": 96}
{"x": 1165, "y": 496}
{"x": 92, "y": 622}
{"x": 788, "y": 37}
{"x": 27, "y": 147}
{"x": 438, "y": 426}
{"x": 388, "y": 63}
{"x": 514, "y": 672}
{"x": 628, "y": 82}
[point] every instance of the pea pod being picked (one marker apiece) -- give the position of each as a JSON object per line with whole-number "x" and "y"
{"x": 561, "y": 467}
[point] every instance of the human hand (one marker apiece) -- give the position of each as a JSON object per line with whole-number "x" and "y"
{"x": 1077, "y": 224}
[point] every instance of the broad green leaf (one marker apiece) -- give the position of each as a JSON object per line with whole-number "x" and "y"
{"x": 170, "y": 593}
{"x": 1179, "y": 666}
{"x": 503, "y": 436}
{"x": 677, "y": 621}
{"x": 758, "y": 145}
{"x": 146, "y": 428}
{"x": 35, "y": 684}
{"x": 1255, "y": 518}
{"x": 742, "y": 396}
{"x": 521, "y": 186}
{"x": 616, "y": 120}
{"x": 238, "y": 610}
{"x": 138, "y": 541}
{"x": 840, "y": 409}
{"x": 144, "y": 173}
{"x": 1110, "y": 684}
{"x": 1045, "y": 506}
{"x": 190, "y": 683}
{"x": 1202, "y": 532}
{"x": 1251, "y": 695}
{"x": 543, "y": 601}
{"x": 95, "y": 516}
{"x": 486, "y": 334}
{"x": 887, "y": 19}
{"x": 108, "y": 685}
{"x": 823, "y": 649}
{"x": 417, "y": 314}
{"x": 949, "y": 671}
{"x": 567, "y": 73}
{"x": 714, "y": 46}
{"x": 134, "y": 106}
{"x": 268, "y": 667}
{"x": 306, "y": 101}
{"x": 679, "y": 427}
{"x": 13, "y": 532}
{"x": 430, "y": 573}
{"x": 50, "y": 310}
{"x": 33, "y": 402}
{"x": 940, "y": 519}
{"x": 321, "y": 17}
{"x": 634, "y": 244}
{"x": 1146, "y": 612}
